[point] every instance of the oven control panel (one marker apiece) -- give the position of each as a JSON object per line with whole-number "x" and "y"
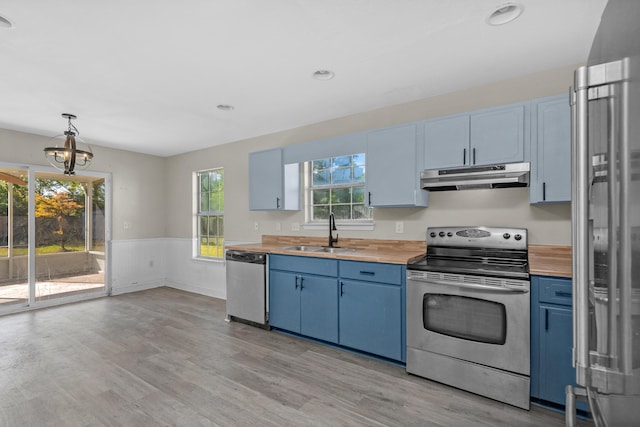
{"x": 478, "y": 237}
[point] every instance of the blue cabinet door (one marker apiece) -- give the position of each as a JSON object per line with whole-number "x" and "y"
{"x": 393, "y": 168}
{"x": 446, "y": 142}
{"x": 319, "y": 307}
{"x": 284, "y": 300}
{"x": 371, "y": 317}
{"x": 556, "y": 340}
{"x": 551, "y": 151}
{"x": 266, "y": 187}
{"x": 272, "y": 184}
{"x": 498, "y": 135}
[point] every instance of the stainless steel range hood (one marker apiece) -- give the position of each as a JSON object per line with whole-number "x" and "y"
{"x": 473, "y": 177}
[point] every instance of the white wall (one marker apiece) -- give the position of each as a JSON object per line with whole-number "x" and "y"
{"x": 139, "y": 198}
{"x": 549, "y": 224}
{"x": 154, "y": 195}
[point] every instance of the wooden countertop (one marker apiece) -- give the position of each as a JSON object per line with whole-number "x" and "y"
{"x": 544, "y": 260}
{"x": 371, "y": 250}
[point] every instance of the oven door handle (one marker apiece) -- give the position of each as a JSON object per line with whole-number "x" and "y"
{"x": 478, "y": 287}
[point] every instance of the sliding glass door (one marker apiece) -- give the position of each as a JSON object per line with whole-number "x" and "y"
{"x": 53, "y": 235}
{"x": 14, "y": 237}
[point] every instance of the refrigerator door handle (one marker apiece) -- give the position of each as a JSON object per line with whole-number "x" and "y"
{"x": 580, "y": 227}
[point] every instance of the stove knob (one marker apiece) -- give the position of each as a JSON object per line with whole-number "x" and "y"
{"x": 449, "y": 234}
{"x": 506, "y": 235}
{"x": 517, "y": 237}
{"x": 441, "y": 234}
{"x": 432, "y": 234}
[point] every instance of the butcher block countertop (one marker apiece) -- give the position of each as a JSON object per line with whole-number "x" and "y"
{"x": 544, "y": 260}
{"x": 371, "y": 250}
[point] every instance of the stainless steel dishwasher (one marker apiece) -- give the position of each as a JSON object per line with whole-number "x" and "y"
{"x": 246, "y": 287}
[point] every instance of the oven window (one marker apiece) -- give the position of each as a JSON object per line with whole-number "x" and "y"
{"x": 467, "y": 318}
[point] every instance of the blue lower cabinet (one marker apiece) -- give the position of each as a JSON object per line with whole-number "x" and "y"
{"x": 284, "y": 301}
{"x": 552, "y": 340}
{"x": 556, "y": 331}
{"x": 371, "y": 318}
{"x": 319, "y": 307}
{"x": 304, "y": 302}
{"x": 359, "y": 305}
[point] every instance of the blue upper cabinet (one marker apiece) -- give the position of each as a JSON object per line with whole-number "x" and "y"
{"x": 272, "y": 184}
{"x": 446, "y": 142}
{"x": 498, "y": 135}
{"x": 483, "y": 137}
{"x": 551, "y": 150}
{"x": 393, "y": 166}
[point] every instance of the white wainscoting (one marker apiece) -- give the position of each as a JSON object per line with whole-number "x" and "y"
{"x": 150, "y": 263}
{"x": 138, "y": 264}
{"x": 194, "y": 275}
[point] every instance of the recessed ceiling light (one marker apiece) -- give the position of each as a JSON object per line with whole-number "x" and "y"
{"x": 505, "y": 13}
{"x": 323, "y": 75}
{"x": 5, "y": 22}
{"x": 225, "y": 107}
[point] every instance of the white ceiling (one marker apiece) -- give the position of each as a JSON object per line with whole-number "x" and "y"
{"x": 147, "y": 75}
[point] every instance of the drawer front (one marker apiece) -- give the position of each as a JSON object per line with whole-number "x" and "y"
{"x": 304, "y": 264}
{"x": 371, "y": 272}
{"x": 555, "y": 290}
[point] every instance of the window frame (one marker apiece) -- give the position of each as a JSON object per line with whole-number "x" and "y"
{"x": 309, "y": 188}
{"x": 200, "y": 214}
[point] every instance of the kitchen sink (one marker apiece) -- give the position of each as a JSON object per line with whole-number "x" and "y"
{"x": 335, "y": 250}
{"x": 303, "y": 248}
{"x": 325, "y": 249}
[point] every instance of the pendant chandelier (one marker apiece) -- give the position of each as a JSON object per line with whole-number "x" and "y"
{"x": 63, "y": 152}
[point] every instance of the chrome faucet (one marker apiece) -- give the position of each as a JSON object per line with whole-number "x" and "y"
{"x": 332, "y": 227}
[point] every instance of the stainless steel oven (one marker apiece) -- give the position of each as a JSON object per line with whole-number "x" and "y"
{"x": 468, "y": 312}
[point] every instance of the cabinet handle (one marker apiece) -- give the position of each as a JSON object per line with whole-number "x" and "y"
{"x": 368, "y": 273}
{"x": 546, "y": 319}
{"x": 369, "y": 198}
{"x": 341, "y": 288}
{"x": 464, "y": 156}
{"x": 544, "y": 191}
{"x": 301, "y": 283}
{"x": 297, "y": 282}
{"x": 474, "y": 156}
{"x": 563, "y": 294}
{"x": 277, "y": 202}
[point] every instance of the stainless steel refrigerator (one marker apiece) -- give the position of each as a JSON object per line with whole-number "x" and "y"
{"x": 606, "y": 221}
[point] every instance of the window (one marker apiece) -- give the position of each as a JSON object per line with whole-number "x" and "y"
{"x": 211, "y": 213}
{"x": 336, "y": 184}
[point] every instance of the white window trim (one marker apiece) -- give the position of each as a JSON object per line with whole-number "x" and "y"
{"x": 195, "y": 206}
{"x": 355, "y": 224}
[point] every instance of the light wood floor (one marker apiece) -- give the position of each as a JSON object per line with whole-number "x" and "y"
{"x": 167, "y": 357}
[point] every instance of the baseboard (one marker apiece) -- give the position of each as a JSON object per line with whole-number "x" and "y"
{"x": 135, "y": 287}
{"x": 195, "y": 289}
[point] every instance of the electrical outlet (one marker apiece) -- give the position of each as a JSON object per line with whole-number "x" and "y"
{"x": 295, "y": 226}
{"x": 125, "y": 225}
{"x": 399, "y": 227}
{"x": 256, "y": 226}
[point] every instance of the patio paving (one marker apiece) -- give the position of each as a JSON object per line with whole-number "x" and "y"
{"x": 16, "y": 293}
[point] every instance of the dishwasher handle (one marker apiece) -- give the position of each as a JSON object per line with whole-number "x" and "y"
{"x": 246, "y": 257}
